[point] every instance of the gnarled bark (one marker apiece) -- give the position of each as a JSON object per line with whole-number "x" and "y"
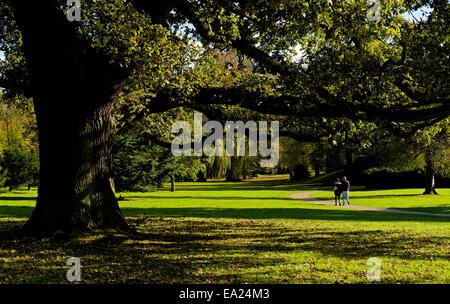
{"x": 75, "y": 191}
{"x": 74, "y": 88}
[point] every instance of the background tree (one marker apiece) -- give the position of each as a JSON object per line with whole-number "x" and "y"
{"x": 19, "y": 156}
{"x": 432, "y": 142}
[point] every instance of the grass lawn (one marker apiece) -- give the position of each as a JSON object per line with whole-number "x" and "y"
{"x": 406, "y": 199}
{"x": 249, "y": 232}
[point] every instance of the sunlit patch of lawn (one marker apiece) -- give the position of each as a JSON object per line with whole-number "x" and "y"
{"x": 231, "y": 233}
{"x": 407, "y": 199}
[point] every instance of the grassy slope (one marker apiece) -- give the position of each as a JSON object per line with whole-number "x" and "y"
{"x": 235, "y": 233}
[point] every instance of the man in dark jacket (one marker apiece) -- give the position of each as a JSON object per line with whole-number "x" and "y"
{"x": 345, "y": 190}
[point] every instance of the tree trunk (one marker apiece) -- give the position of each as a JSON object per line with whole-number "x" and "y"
{"x": 172, "y": 184}
{"x": 75, "y": 191}
{"x": 316, "y": 171}
{"x": 245, "y": 167}
{"x": 234, "y": 171}
{"x": 348, "y": 155}
{"x": 430, "y": 187}
{"x": 74, "y": 88}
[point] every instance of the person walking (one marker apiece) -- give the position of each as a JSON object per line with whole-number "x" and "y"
{"x": 345, "y": 190}
{"x": 337, "y": 191}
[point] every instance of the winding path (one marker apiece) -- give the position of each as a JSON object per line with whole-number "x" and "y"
{"x": 306, "y": 196}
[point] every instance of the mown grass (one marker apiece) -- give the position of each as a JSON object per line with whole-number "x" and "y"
{"x": 406, "y": 199}
{"x": 249, "y": 232}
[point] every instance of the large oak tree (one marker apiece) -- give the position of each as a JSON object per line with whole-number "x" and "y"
{"x": 76, "y": 72}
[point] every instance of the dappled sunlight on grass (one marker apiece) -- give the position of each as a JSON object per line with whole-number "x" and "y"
{"x": 189, "y": 250}
{"x": 249, "y": 232}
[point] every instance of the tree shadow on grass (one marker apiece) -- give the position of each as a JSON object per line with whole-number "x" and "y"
{"x": 282, "y": 213}
{"x": 208, "y": 197}
{"x": 258, "y": 213}
{"x": 192, "y": 251}
{"x": 287, "y": 186}
{"x": 378, "y": 196}
{"x": 17, "y": 198}
{"x": 437, "y": 209}
{"x": 16, "y": 211}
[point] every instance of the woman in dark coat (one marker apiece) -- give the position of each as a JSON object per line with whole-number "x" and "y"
{"x": 337, "y": 192}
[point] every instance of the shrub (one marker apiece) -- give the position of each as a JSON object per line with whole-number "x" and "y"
{"x": 18, "y": 167}
{"x": 300, "y": 172}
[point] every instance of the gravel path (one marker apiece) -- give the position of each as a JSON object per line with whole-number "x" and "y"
{"x": 306, "y": 196}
